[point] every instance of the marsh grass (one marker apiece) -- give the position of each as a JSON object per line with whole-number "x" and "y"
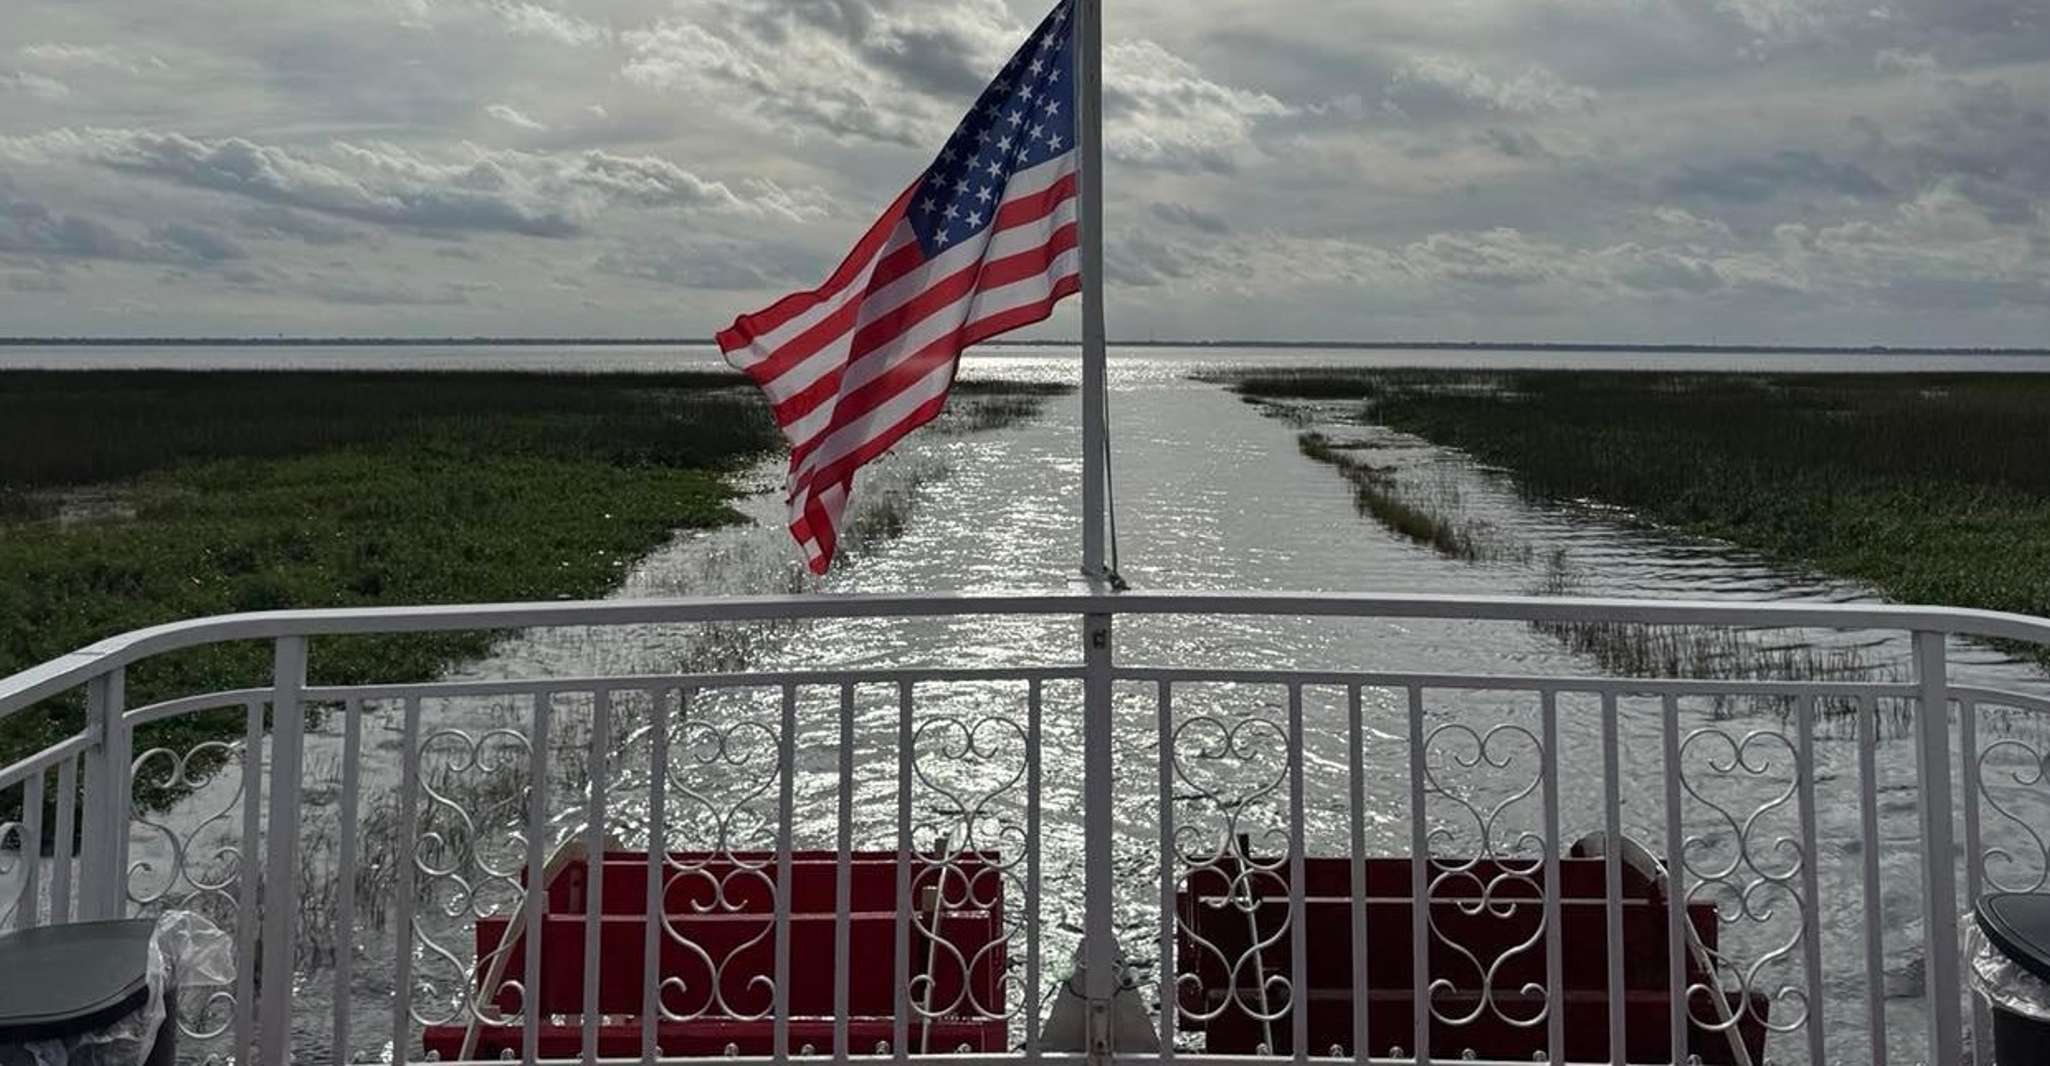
{"x": 1432, "y": 516}
{"x": 1428, "y": 515}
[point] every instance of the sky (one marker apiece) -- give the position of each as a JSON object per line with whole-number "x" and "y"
{"x": 1734, "y": 171}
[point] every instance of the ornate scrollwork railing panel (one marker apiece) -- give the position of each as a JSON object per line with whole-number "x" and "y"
{"x": 1486, "y": 870}
{"x": 969, "y": 910}
{"x": 718, "y": 875}
{"x": 468, "y": 857}
{"x": 1743, "y": 854}
{"x": 1229, "y": 766}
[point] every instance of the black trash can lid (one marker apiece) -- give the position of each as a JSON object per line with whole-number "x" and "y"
{"x": 62, "y": 980}
{"x": 2018, "y": 923}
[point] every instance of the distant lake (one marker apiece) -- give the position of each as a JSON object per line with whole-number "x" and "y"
{"x": 659, "y": 358}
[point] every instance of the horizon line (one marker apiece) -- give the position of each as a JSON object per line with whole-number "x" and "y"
{"x": 1359, "y": 345}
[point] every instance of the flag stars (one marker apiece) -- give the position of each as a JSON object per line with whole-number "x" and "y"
{"x": 1053, "y": 143}
{"x": 1038, "y": 132}
{"x": 1016, "y": 118}
{"x": 929, "y": 206}
{"x": 985, "y": 194}
{"x": 974, "y": 219}
{"x": 995, "y": 169}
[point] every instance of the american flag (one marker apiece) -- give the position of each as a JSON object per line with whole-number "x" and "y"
{"x": 984, "y": 242}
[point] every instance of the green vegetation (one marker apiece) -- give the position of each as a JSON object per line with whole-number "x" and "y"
{"x": 142, "y": 498}
{"x": 1933, "y": 488}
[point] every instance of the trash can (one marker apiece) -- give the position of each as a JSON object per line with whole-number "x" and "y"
{"x": 83, "y": 995}
{"x": 2010, "y": 967}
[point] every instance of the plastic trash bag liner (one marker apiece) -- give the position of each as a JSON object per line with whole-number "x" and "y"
{"x": 2002, "y": 981}
{"x": 186, "y": 953}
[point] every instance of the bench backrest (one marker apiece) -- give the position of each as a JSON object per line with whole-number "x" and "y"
{"x": 1493, "y": 912}
{"x": 717, "y": 932}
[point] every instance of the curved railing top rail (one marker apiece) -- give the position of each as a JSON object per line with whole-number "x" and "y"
{"x": 68, "y": 671}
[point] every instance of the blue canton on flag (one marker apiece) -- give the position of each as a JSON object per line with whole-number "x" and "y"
{"x": 1026, "y": 117}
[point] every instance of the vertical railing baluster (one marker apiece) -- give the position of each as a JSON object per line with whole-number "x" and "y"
{"x": 900, "y": 1026}
{"x": 1355, "y": 796}
{"x": 61, "y": 856}
{"x": 1875, "y": 914}
{"x": 402, "y": 930}
{"x": 595, "y": 839}
{"x": 1419, "y": 886}
{"x": 1298, "y": 916}
{"x": 537, "y": 877}
{"x": 1677, "y": 948}
{"x": 843, "y": 880}
{"x": 1169, "y": 998}
{"x": 1968, "y": 764}
{"x": 345, "y": 867}
{"x": 28, "y": 903}
{"x": 281, "y": 840}
{"x": 1555, "y": 966}
{"x": 657, "y": 894}
{"x": 1968, "y": 767}
{"x": 786, "y": 769}
{"x": 1811, "y": 892}
{"x": 1612, "y": 868}
{"x": 1034, "y": 696}
{"x": 1939, "y": 872}
{"x": 1099, "y": 793}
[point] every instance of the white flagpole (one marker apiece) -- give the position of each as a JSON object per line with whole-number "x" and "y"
{"x": 1095, "y": 423}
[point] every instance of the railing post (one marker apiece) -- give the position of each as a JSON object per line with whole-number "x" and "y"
{"x": 1099, "y": 943}
{"x": 103, "y": 860}
{"x": 1939, "y": 875}
{"x": 281, "y": 851}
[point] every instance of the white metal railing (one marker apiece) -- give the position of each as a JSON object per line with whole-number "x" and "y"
{"x": 1252, "y": 835}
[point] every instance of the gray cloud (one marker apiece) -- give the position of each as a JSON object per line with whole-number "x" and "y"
{"x": 1787, "y": 171}
{"x": 1184, "y": 215}
{"x": 479, "y": 189}
{"x": 201, "y": 244}
{"x": 1437, "y": 87}
{"x": 32, "y": 229}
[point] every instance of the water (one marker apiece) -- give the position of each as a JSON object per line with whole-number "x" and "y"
{"x": 1213, "y": 495}
{"x": 659, "y": 358}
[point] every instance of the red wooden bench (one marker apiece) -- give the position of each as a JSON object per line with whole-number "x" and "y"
{"x": 737, "y": 934}
{"x": 1487, "y": 932}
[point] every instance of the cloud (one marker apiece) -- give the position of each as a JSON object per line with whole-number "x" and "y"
{"x": 807, "y": 82}
{"x": 1440, "y": 86}
{"x": 1903, "y": 61}
{"x": 511, "y": 116}
{"x": 54, "y": 54}
{"x": 32, "y": 229}
{"x": 201, "y": 244}
{"x": 533, "y": 20}
{"x": 1183, "y": 215}
{"x": 1161, "y": 111}
{"x": 475, "y": 188}
{"x": 281, "y": 222}
{"x": 1516, "y": 144}
{"x": 1788, "y": 171}
{"x": 36, "y": 85}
